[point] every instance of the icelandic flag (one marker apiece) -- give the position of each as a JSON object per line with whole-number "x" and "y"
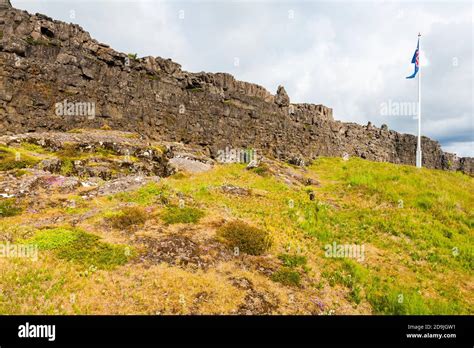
{"x": 415, "y": 60}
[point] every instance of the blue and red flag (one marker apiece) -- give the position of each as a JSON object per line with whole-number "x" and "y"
{"x": 415, "y": 60}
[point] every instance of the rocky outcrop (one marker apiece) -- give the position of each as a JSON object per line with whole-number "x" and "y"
{"x": 54, "y": 76}
{"x": 103, "y": 162}
{"x": 94, "y": 154}
{"x": 281, "y": 97}
{"x": 4, "y": 4}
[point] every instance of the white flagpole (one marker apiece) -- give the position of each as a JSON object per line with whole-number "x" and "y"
{"x": 418, "y": 144}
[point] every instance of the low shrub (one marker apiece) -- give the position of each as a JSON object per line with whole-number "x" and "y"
{"x": 287, "y": 276}
{"x": 67, "y": 167}
{"x": 248, "y": 239}
{"x": 70, "y": 151}
{"x": 132, "y": 56}
{"x": 293, "y": 260}
{"x": 149, "y": 194}
{"x": 127, "y": 217}
{"x": 176, "y": 215}
{"x": 19, "y": 173}
{"x": 33, "y": 147}
{"x": 9, "y": 160}
{"x": 8, "y": 207}
{"x": 262, "y": 170}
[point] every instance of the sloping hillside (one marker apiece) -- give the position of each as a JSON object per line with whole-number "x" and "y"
{"x": 136, "y": 233}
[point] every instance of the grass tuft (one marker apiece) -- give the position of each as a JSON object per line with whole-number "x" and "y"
{"x": 287, "y": 276}
{"x": 249, "y": 239}
{"x": 80, "y": 247}
{"x": 8, "y": 207}
{"x": 176, "y": 215}
{"x": 11, "y": 159}
{"x": 127, "y": 217}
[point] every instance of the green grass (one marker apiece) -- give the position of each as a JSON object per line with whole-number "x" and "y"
{"x": 15, "y": 159}
{"x": 146, "y": 195}
{"x": 407, "y": 301}
{"x": 105, "y": 152}
{"x": 67, "y": 167}
{"x": 132, "y": 56}
{"x": 416, "y": 227}
{"x": 40, "y": 42}
{"x": 287, "y": 276}
{"x": 185, "y": 215}
{"x": 19, "y": 173}
{"x": 261, "y": 170}
{"x": 293, "y": 260}
{"x": 8, "y": 207}
{"x": 417, "y": 217}
{"x": 424, "y": 243}
{"x": 33, "y": 147}
{"x": 70, "y": 152}
{"x": 80, "y": 247}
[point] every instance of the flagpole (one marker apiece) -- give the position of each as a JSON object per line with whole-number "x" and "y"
{"x": 418, "y": 144}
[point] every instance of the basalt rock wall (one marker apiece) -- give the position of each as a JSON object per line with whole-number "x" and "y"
{"x": 45, "y": 63}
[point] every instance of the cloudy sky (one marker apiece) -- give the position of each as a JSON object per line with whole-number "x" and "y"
{"x": 352, "y": 56}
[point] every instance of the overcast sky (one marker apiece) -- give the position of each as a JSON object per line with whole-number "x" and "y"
{"x": 352, "y": 56}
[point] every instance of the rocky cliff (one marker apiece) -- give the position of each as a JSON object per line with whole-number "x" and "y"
{"x": 54, "y": 76}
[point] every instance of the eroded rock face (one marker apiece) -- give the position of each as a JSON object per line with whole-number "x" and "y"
{"x": 4, "y": 4}
{"x": 45, "y": 62}
{"x": 281, "y": 97}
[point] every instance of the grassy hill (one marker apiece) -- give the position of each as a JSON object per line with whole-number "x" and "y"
{"x": 233, "y": 240}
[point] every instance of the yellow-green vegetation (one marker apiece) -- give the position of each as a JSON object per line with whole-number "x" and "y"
{"x": 261, "y": 170}
{"x": 105, "y": 152}
{"x": 146, "y": 195}
{"x": 33, "y": 147}
{"x": 246, "y": 238}
{"x": 19, "y": 173}
{"x": 127, "y": 217}
{"x": 184, "y": 215}
{"x": 415, "y": 227}
{"x": 80, "y": 247}
{"x": 287, "y": 276}
{"x": 293, "y": 266}
{"x": 8, "y": 207}
{"x": 70, "y": 152}
{"x": 293, "y": 260}
{"x": 40, "y": 42}
{"x": 133, "y": 56}
{"x": 15, "y": 159}
{"x": 67, "y": 167}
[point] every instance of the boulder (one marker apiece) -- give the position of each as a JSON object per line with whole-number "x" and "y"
{"x": 281, "y": 98}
